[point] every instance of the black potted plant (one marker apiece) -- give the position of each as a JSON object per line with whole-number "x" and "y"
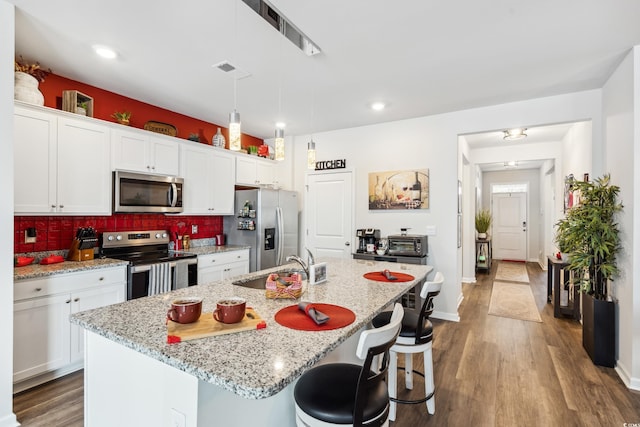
{"x": 589, "y": 234}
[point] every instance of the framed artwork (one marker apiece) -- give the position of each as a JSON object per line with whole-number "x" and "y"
{"x": 459, "y": 231}
{"x": 568, "y": 192}
{"x": 408, "y": 189}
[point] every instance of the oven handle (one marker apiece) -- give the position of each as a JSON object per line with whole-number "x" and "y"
{"x": 147, "y": 267}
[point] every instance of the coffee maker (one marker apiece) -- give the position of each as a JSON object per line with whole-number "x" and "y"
{"x": 367, "y": 236}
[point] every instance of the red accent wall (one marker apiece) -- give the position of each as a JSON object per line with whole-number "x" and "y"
{"x": 106, "y": 103}
{"x": 57, "y": 232}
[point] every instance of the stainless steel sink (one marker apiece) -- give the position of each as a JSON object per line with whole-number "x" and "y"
{"x": 260, "y": 282}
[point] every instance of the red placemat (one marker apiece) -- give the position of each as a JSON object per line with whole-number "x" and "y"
{"x": 378, "y": 276}
{"x": 294, "y": 318}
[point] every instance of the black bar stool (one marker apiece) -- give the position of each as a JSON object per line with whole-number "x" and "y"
{"x": 415, "y": 337}
{"x": 346, "y": 394}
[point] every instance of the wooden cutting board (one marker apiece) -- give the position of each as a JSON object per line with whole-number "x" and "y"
{"x": 207, "y": 326}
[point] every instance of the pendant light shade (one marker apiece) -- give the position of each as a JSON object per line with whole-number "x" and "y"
{"x": 235, "y": 142}
{"x": 279, "y": 144}
{"x": 311, "y": 155}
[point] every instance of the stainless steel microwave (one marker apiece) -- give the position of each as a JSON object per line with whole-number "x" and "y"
{"x": 408, "y": 245}
{"x": 146, "y": 193}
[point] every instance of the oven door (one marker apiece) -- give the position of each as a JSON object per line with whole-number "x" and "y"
{"x": 182, "y": 274}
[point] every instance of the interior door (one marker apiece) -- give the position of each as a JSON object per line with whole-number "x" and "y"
{"x": 329, "y": 214}
{"x": 510, "y": 226}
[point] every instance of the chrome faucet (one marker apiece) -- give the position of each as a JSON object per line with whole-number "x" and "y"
{"x": 299, "y": 261}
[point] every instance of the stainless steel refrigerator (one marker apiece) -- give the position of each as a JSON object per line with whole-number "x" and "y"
{"x": 269, "y": 224}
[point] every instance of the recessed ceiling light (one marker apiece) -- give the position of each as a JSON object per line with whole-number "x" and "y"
{"x": 513, "y": 134}
{"x": 105, "y": 52}
{"x": 378, "y": 106}
{"x": 281, "y": 125}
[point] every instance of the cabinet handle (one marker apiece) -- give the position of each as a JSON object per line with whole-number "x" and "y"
{"x": 61, "y": 206}
{"x": 153, "y": 168}
{"x": 53, "y": 206}
{"x": 67, "y": 301}
{"x": 101, "y": 279}
{"x": 38, "y": 289}
{"x": 148, "y": 167}
{"x": 213, "y": 260}
{"x": 76, "y": 299}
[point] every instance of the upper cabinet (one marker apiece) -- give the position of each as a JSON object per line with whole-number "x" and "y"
{"x": 142, "y": 151}
{"x": 208, "y": 180}
{"x": 61, "y": 164}
{"x": 254, "y": 171}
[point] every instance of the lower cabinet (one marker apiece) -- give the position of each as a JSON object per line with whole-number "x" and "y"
{"x": 45, "y": 344}
{"x": 221, "y": 266}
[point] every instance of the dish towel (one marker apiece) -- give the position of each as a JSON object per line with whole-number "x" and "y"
{"x": 181, "y": 275}
{"x": 159, "y": 278}
{"x": 310, "y": 310}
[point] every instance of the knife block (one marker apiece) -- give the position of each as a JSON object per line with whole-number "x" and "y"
{"x": 77, "y": 254}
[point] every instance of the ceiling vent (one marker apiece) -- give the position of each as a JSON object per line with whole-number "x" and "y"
{"x": 284, "y": 26}
{"x": 231, "y": 70}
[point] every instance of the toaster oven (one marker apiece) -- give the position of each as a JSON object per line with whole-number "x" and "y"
{"x": 408, "y": 245}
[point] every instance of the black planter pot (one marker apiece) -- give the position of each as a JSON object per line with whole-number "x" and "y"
{"x": 599, "y": 330}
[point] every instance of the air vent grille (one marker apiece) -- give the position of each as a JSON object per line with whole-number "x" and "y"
{"x": 283, "y": 25}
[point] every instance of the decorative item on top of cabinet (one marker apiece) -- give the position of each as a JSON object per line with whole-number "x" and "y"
{"x": 163, "y": 128}
{"x": 72, "y": 101}
{"x": 27, "y": 78}
{"x": 122, "y": 117}
{"x": 218, "y": 139}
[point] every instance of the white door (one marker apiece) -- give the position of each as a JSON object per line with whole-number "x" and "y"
{"x": 329, "y": 208}
{"x": 510, "y": 226}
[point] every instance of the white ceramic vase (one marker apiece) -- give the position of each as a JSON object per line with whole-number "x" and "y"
{"x": 26, "y": 89}
{"x": 219, "y": 140}
{"x": 482, "y": 236}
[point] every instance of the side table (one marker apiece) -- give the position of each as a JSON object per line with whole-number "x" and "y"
{"x": 555, "y": 285}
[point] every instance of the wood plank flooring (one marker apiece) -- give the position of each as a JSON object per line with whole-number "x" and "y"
{"x": 489, "y": 371}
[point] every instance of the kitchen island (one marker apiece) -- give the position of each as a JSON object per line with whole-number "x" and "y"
{"x": 133, "y": 377}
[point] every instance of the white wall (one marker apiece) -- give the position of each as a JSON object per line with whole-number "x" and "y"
{"x": 576, "y": 159}
{"x": 621, "y": 99}
{"x": 432, "y": 142}
{"x": 7, "y": 30}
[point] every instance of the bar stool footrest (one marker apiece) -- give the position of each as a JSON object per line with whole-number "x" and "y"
{"x": 412, "y": 402}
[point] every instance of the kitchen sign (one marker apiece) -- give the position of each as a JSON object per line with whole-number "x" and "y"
{"x": 331, "y": 164}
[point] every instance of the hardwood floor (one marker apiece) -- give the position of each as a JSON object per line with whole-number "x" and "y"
{"x": 489, "y": 371}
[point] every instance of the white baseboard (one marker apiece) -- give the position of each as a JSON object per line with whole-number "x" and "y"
{"x": 45, "y": 377}
{"x": 469, "y": 279}
{"x": 451, "y": 317}
{"x": 9, "y": 420}
{"x": 628, "y": 380}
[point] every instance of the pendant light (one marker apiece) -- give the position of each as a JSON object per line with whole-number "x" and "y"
{"x": 235, "y": 139}
{"x": 279, "y": 144}
{"x": 311, "y": 155}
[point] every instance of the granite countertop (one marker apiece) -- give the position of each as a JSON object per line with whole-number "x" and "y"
{"x": 258, "y": 363}
{"x": 207, "y": 250}
{"x": 34, "y": 271}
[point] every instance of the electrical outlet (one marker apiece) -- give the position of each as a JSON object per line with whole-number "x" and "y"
{"x": 178, "y": 419}
{"x": 30, "y": 235}
{"x": 194, "y": 229}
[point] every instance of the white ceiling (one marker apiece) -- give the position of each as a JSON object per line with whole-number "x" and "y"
{"x": 422, "y": 57}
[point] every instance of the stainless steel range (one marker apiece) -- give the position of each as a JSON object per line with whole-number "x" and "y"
{"x": 153, "y": 268}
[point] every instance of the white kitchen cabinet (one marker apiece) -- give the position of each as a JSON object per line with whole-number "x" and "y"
{"x": 221, "y": 266}
{"x": 208, "y": 180}
{"x": 141, "y": 151}
{"x": 61, "y": 164}
{"x": 45, "y": 344}
{"x": 251, "y": 170}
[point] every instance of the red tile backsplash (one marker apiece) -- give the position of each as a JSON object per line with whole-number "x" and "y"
{"x": 56, "y": 232}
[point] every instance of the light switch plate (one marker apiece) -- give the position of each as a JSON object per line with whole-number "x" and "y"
{"x": 194, "y": 229}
